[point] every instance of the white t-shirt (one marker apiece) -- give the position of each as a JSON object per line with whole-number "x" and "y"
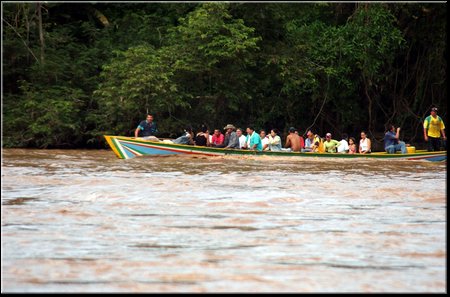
{"x": 265, "y": 141}
{"x": 242, "y": 141}
{"x": 343, "y": 147}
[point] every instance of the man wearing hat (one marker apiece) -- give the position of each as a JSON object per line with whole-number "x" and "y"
{"x": 231, "y": 139}
{"x": 433, "y": 128}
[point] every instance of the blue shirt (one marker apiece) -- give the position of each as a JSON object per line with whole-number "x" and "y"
{"x": 148, "y": 129}
{"x": 255, "y": 139}
{"x": 389, "y": 139}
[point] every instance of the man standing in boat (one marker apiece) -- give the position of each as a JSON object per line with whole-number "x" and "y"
{"x": 146, "y": 128}
{"x": 433, "y": 128}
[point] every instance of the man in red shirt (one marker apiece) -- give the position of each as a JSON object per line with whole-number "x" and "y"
{"x": 217, "y": 138}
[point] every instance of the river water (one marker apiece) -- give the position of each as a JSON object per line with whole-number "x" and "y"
{"x": 85, "y": 221}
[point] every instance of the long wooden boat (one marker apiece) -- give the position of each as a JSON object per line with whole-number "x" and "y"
{"x": 130, "y": 147}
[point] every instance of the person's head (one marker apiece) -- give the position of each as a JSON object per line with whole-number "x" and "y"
{"x": 274, "y": 132}
{"x": 217, "y": 132}
{"x": 149, "y": 118}
{"x": 262, "y": 133}
{"x": 351, "y": 140}
{"x": 310, "y": 135}
{"x": 363, "y": 135}
{"x": 239, "y": 132}
{"x": 390, "y": 127}
{"x": 204, "y": 128}
{"x": 229, "y": 128}
{"x": 250, "y": 130}
{"x": 328, "y": 137}
{"x": 433, "y": 111}
{"x": 292, "y": 130}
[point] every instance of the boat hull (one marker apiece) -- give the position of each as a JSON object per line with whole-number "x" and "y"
{"x": 130, "y": 147}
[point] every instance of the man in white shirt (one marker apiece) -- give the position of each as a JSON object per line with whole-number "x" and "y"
{"x": 241, "y": 138}
{"x": 343, "y": 147}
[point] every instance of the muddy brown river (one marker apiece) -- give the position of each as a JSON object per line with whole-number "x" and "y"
{"x": 85, "y": 221}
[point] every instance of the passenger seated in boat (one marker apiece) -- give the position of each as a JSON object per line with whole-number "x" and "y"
{"x": 302, "y": 140}
{"x": 364, "y": 144}
{"x": 242, "y": 138}
{"x": 186, "y": 138}
{"x": 274, "y": 141}
{"x": 202, "y": 137}
{"x": 217, "y": 138}
{"x": 231, "y": 138}
{"x": 292, "y": 141}
{"x": 253, "y": 141}
{"x": 309, "y": 142}
{"x": 264, "y": 140}
{"x": 392, "y": 142}
{"x": 146, "y": 128}
{"x": 343, "y": 147}
{"x": 330, "y": 144}
{"x": 352, "y": 145}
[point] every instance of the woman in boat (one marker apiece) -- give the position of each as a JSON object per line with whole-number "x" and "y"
{"x": 352, "y": 145}
{"x": 364, "y": 144}
{"x": 274, "y": 141}
{"x": 202, "y": 137}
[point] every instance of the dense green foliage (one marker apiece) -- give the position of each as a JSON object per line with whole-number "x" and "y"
{"x": 73, "y": 72}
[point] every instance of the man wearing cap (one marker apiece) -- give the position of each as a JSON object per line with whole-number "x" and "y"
{"x": 433, "y": 128}
{"x": 231, "y": 139}
{"x": 330, "y": 144}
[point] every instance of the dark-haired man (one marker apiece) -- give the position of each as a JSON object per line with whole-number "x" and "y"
{"x": 146, "y": 128}
{"x": 433, "y": 128}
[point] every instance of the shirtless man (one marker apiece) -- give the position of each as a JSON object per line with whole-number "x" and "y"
{"x": 293, "y": 141}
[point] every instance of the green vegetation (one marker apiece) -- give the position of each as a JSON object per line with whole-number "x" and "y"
{"x": 73, "y": 72}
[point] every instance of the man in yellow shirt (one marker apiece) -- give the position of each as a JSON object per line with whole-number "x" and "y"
{"x": 433, "y": 127}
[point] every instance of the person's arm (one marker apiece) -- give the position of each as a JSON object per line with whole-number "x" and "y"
{"x": 276, "y": 140}
{"x": 136, "y": 132}
{"x": 288, "y": 142}
{"x": 207, "y": 138}
{"x": 369, "y": 145}
{"x": 425, "y": 132}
